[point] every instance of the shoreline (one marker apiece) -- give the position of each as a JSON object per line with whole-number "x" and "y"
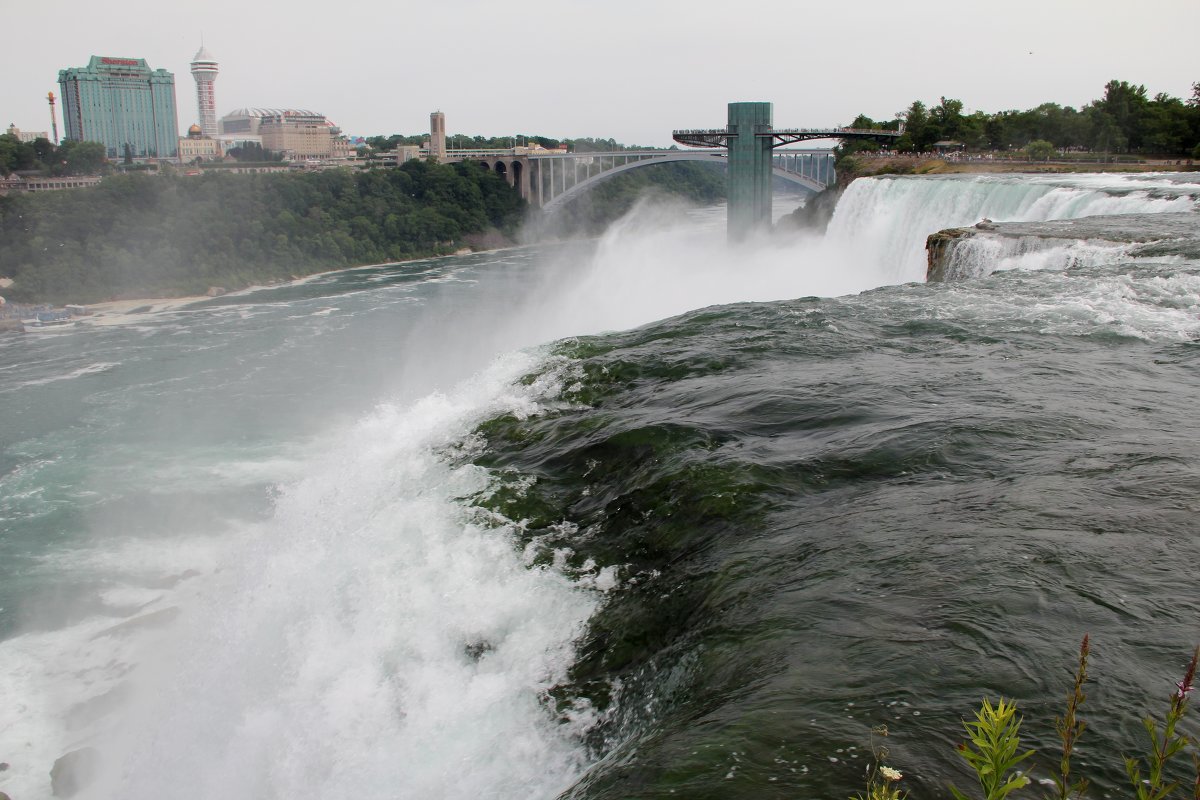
{"x": 877, "y": 166}
{"x": 119, "y": 312}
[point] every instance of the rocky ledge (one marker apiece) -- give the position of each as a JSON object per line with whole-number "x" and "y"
{"x": 958, "y": 253}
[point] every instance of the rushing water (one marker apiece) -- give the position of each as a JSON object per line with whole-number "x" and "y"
{"x": 427, "y": 531}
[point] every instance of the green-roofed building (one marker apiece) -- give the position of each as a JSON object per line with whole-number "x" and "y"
{"x": 119, "y": 102}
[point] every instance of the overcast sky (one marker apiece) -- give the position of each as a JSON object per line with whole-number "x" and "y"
{"x": 632, "y": 70}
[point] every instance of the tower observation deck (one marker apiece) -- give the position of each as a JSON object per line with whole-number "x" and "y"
{"x": 750, "y": 137}
{"x": 204, "y": 70}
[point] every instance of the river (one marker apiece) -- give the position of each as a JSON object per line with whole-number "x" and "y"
{"x": 647, "y": 516}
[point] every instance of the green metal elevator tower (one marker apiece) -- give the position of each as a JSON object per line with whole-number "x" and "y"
{"x": 751, "y": 140}
{"x": 749, "y": 173}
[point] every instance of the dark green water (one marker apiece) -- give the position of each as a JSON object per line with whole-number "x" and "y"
{"x": 633, "y": 518}
{"x": 829, "y": 515}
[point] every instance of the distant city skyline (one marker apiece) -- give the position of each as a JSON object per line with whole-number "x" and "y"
{"x": 632, "y": 71}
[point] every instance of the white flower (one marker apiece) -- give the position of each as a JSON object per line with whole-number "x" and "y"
{"x": 890, "y": 774}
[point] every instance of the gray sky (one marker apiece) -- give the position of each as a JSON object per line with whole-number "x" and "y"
{"x": 628, "y": 69}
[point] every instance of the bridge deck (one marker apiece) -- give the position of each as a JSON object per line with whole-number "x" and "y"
{"x": 719, "y": 137}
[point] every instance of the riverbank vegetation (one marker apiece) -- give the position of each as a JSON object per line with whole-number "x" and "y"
{"x": 164, "y": 235}
{"x": 1125, "y": 120}
{"x": 1001, "y": 767}
{"x": 68, "y": 158}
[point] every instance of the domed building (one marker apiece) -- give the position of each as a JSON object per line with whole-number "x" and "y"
{"x": 196, "y": 146}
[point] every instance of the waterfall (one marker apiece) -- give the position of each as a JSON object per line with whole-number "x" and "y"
{"x": 886, "y": 220}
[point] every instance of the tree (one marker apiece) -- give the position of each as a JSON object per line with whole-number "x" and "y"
{"x": 87, "y": 158}
{"x": 1124, "y": 103}
{"x": 254, "y": 152}
{"x": 1040, "y": 150}
{"x": 947, "y": 118}
{"x": 128, "y": 159}
{"x": 1106, "y": 134}
{"x": 916, "y": 121}
{"x": 1164, "y": 124}
{"x": 15, "y": 154}
{"x": 45, "y": 150}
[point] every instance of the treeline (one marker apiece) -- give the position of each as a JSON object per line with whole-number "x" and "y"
{"x": 149, "y": 236}
{"x": 69, "y": 158}
{"x": 1125, "y": 120}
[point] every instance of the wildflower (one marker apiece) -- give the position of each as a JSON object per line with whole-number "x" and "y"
{"x": 890, "y": 774}
{"x": 1185, "y": 686}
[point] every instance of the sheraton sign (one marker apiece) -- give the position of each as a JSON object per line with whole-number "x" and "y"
{"x": 121, "y": 62}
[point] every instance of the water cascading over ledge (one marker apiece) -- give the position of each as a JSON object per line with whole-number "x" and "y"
{"x": 987, "y": 247}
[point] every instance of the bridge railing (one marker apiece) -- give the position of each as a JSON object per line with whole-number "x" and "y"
{"x": 834, "y": 132}
{"x": 551, "y": 174}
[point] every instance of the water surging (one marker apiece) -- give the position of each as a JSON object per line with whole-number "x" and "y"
{"x": 886, "y": 220}
{"x": 375, "y": 632}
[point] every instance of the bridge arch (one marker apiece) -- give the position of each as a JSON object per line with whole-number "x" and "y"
{"x": 588, "y": 183}
{"x": 667, "y": 157}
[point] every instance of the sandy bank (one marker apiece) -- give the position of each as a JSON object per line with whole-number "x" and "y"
{"x": 118, "y": 312}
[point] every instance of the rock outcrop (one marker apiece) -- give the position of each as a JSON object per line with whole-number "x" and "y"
{"x": 958, "y": 253}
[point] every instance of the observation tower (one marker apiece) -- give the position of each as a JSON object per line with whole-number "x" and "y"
{"x": 204, "y": 70}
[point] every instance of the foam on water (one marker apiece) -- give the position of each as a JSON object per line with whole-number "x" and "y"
{"x": 886, "y": 220}
{"x": 980, "y": 255}
{"x": 374, "y": 636}
{"x": 371, "y": 637}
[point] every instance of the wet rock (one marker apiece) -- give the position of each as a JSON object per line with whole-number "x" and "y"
{"x": 1174, "y": 234}
{"x": 816, "y": 212}
{"x": 477, "y": 650}
{"x": 74, "y": 772}
{"x": 937, "y": 246}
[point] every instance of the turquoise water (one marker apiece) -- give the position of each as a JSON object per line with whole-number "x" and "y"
{"x": 435, "y": 530}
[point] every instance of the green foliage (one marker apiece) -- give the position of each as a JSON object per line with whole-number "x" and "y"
{"x": 254, "y": 153}
{"x": 142, "y": 235}
{"x": 1040, "y": 150}
{"x": 879, "y": 776}
{"x": 1163, "y": 747}
{"x": 1069, "y": 728}
{"x": 993, "y": 750}
{"x": 85, "y": 158}
{"x": 994, "y": 744}
{"x": 69, "y": 158}
{"x": 1124, "y": 120}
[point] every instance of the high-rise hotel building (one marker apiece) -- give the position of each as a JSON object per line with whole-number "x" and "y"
{"x": 119, "y": 102}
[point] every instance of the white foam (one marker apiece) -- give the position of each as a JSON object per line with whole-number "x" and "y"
{"x": 329, "y": 653}
{"x": 982, "y": 254}
{"x": 90, "y": 369}
{"x": 885, "y": 221}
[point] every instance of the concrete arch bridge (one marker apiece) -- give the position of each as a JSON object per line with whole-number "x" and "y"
{"x": 548, "y": 179}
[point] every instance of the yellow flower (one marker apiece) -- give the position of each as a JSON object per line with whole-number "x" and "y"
{"x": 890, "y": 774}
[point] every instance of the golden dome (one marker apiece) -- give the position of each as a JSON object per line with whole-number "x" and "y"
{"x": 195, "y": 131}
